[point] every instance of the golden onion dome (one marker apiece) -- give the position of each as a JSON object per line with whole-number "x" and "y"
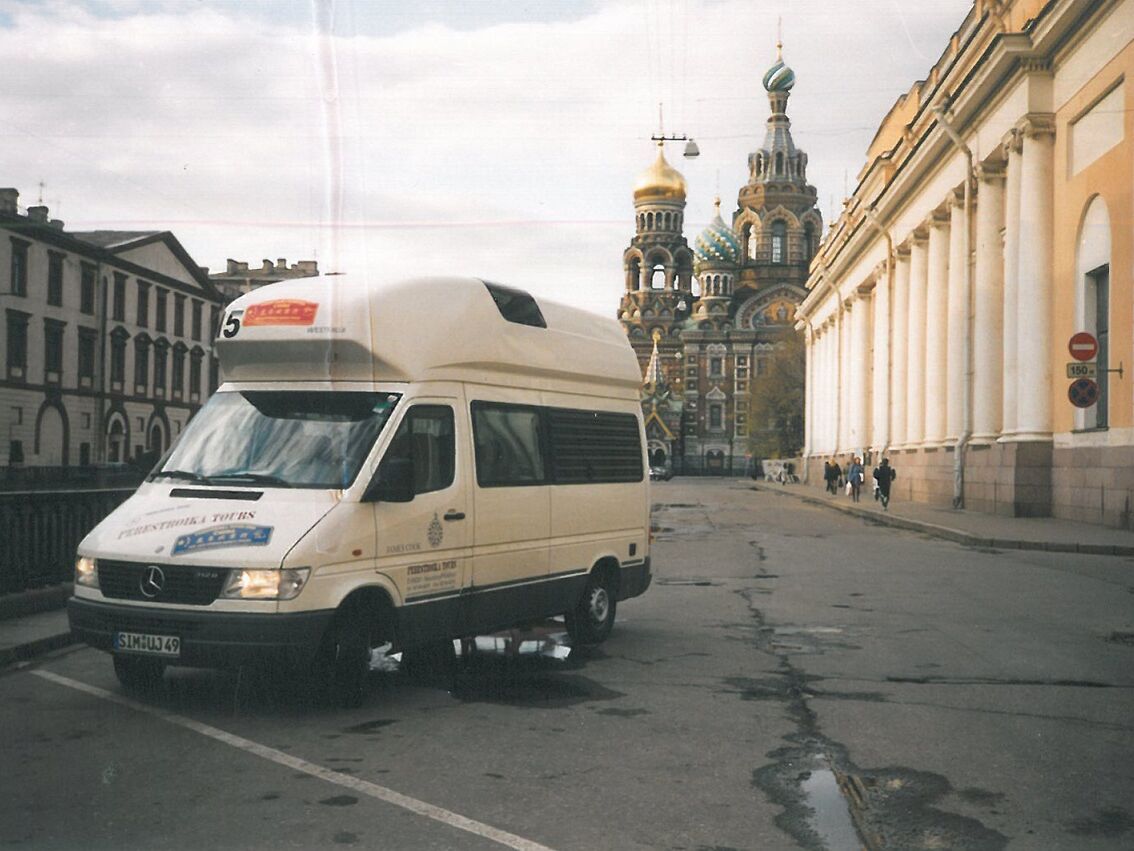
{"x": 660, "y": 182}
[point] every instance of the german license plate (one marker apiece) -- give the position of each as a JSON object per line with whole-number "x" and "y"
{"x": 151, "y": 645}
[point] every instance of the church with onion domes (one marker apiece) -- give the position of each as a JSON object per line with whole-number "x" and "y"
{"x": 704, "y": 319}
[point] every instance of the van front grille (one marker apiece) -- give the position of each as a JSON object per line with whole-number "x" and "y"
{"x": 160, "y": 583}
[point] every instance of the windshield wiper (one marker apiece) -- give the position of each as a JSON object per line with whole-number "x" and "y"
{"x": 188, "y": 475}
{"x": 249, "y": 476}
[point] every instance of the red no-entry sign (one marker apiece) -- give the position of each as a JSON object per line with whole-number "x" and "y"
{"x": 1083, "y": 346}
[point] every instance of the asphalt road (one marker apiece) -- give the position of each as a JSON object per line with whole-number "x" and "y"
{"x": 795, "y": 678}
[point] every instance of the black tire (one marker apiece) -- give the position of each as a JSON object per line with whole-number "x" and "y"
{"x": 342, "y": 665}
{"x": 138, "y": 673}
{"x": 592, "y": 619}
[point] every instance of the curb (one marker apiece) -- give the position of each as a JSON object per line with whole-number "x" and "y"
{"x": 29, "y": 650}
{"x": 956, "y": 535}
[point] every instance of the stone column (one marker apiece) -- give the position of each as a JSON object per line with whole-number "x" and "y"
{"x": 1033, "y": 305}
{"x": 844, "y": 376}
{"x": 915, "y": 334}
{"x": 1011, "y": 282}
{"x": 936, "y": 325}
{"x": 988, "y": 286}
{"x": 880, "y": 367}
{"x": 899, "y": 389}
{"x": 861, "y": 356}
{"x": 808, "y": 388}
{"x": 958, "y": 308}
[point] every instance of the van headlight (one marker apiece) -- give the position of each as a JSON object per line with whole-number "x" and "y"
{"x": 265, "y": 584}
{"x": 86, "y": 572}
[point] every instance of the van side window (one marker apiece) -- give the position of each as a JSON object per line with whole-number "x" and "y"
{"x": 590, "y": 447}
{"x": 509, "y": 445}
{"x": 426, "y": 436}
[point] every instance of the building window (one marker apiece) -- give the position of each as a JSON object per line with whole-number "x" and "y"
{"x": 178, "y": 315}
{"x": 86, "y": 421}
{"x": 779, "y": 242}
{"x": 161, "y": 357}
{"x": 715, "y": 366}
{"x": 161, "y": 297}
{"x": 87, "y": 289}
{"x": 141, "y": 364}
{"x": 88, "y": 340}
{"x": 197, "y": 306}
{"x": 143, "y": 304}
{"x": 119, "y": 297}
{"x": 19, "y": 280}
{"x": 715, "y": 416}
{"x": 741, "y": 385}
{"x": 195, "y": 374}
{"x": 691, "y": 372}
{"x": 53, "y": 351}
{"x": 118, "y": 339}
{"x": 761, "y": 366}
{"x": 1098, "y": 291}
{"x": 741, "y": 424}
{"x": 55, "y": 278}
{"x": 177, "y": 385}
{"x": 18, "y": 345}
{"x": 214, "y": 321}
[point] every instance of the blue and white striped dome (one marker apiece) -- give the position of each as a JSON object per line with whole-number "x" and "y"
{"x": 779, "y": 78}
{"x": 717, "y": 243}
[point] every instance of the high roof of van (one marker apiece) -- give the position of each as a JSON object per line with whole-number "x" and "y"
{"x": 351, "y": 328}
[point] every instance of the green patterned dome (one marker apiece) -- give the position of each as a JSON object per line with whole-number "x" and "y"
{"x": 779, "y": 78}
{"x": 717, "y": 245}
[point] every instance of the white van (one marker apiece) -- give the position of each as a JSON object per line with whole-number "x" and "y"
{"x": 400, "y": 464}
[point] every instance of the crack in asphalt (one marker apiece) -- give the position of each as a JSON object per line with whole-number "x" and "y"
{"x": 890, "y": 807}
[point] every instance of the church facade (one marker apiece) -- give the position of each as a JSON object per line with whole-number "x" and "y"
{"x": 704, "y": 319}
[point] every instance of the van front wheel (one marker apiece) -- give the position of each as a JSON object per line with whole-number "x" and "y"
{"x": 593, "y": 617}
{"x": 343, "y": 662}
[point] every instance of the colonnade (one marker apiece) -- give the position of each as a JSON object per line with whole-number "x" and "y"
{"x": 886, "y": 366}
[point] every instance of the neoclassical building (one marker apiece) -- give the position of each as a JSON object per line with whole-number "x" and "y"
{"x": 704, "y": 318}
{"x": 106, "y": 338}
{"x": 991, "y": 222}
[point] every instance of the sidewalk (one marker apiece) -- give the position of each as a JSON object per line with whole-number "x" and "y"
{"x": 972, "y": 528}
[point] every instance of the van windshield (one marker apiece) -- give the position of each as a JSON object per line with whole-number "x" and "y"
{"x": 279, "y": 438}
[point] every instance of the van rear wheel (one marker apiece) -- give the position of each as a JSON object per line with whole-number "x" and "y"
{"x": 593, "y": 617}
{"x": 137, "y": 673}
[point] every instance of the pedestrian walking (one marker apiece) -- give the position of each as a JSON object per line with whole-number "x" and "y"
{"x": 855, "y": 475}
{"x": 834, "y": 475}
{"x": 884, "y": 474}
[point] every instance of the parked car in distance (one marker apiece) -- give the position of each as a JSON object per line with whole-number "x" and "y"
{"x": 660, "y": 474}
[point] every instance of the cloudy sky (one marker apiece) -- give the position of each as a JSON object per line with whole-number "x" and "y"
{"x": 497, "y": 138}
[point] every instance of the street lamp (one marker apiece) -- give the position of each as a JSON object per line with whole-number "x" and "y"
{"x": 691, "y": 149}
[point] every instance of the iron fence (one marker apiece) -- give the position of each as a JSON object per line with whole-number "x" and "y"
{"x": 40, "y": 530}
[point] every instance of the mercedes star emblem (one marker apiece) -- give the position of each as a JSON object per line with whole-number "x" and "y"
{"x": 153, "y": 580}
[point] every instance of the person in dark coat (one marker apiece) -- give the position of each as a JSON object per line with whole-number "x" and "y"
{"x": 856, "y": 473}
{"x": 884, "y": 474}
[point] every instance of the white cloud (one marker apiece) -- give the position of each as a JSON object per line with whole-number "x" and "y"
{"x": 507, "y": 150}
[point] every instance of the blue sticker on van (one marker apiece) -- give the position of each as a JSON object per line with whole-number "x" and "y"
{"x": 229, "y": 535}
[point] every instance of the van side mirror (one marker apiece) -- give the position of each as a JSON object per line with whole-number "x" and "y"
{"x": 394, "y": 482}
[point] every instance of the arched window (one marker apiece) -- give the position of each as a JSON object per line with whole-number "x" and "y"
{"x": 633, "y": 275}
{"x": 779, "y": 162}
{"x": 657, "y": 277}
{"x": 808, "y": 241}
{"x": 649, "y": 221}
{"x": 779, "y": 242}
{"x": 747, "y": 249}
{"x": 1092, "y": 303}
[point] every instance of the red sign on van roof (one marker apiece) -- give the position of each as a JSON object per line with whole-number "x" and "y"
{"x": 284, "y": 311}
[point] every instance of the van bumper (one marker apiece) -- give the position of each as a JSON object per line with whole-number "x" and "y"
{"x": 208, "y": 639}
{"x": 635, "y": 579}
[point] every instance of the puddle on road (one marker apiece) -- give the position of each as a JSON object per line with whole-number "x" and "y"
{"x": 830, "y": 817}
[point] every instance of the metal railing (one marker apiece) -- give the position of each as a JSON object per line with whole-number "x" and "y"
{"x": 40, "y": 530}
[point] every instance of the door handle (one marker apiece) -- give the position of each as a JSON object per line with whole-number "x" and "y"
{"x": 454, "y": 515}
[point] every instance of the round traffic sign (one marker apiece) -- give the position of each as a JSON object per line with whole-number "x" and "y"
{"x": 1083, "y": 392}
{"x": 1083, "y": 346}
